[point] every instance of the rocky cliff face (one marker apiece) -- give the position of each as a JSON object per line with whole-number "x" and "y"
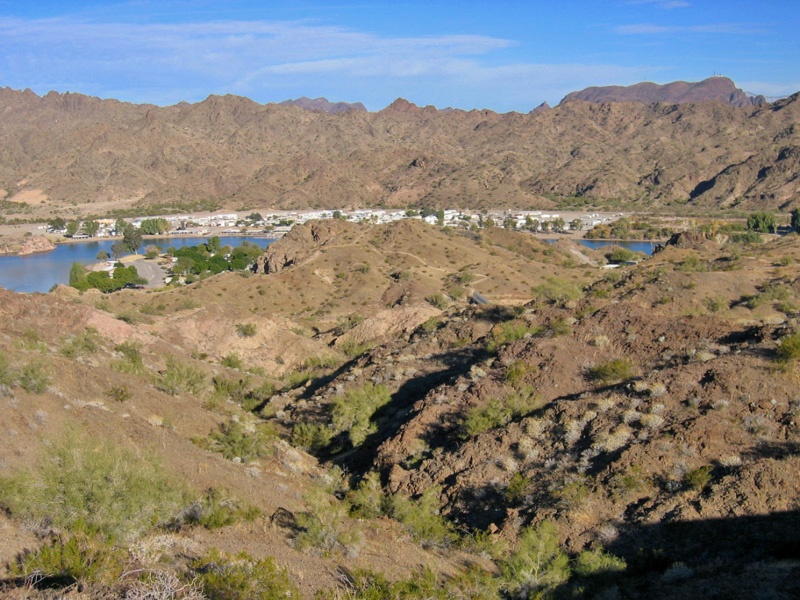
{"x": 713, "y": 89}
{"x": 300, "y": 243}
{"x": 323, "y": 105}
{"x": 26, "y": 245}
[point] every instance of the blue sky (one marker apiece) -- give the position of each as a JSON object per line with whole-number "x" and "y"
{"x": 502, "y": 55}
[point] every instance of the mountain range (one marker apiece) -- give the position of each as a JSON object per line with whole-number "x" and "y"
{"x": 72, "y": 154}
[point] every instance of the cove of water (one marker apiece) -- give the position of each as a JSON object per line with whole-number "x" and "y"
{"x": 636, "y": 246}
{"x": 40, "y": 272}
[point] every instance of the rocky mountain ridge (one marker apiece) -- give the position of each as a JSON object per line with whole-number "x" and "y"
{"x": 229, "y": 151}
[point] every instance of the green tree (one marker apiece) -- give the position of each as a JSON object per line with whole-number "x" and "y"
{"x": 57, "y": 223}
{"x": 77, "y": 277}
{"x": 559, "y": 225}
{"x": 488, "y": 222}
{"x": 72, "y": 228}
{"x": 90, "y": 228}
{"x": 762, "y": 222}
{"x": 118, "y": 250}
{"x": 132, "y": 238}
{"x": 509, "y": 223}
{"x": 102, "y": 255}
{"x": 155, "y": 226}
{"x": 576, "y": 224}
{"x": 119, "y": 226}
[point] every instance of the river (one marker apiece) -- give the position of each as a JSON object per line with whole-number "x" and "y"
{"x": 40, "y": 272}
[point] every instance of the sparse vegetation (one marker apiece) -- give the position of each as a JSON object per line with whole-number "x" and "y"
{"x": 246, "y": 329}
{"x": 613, "y": 371}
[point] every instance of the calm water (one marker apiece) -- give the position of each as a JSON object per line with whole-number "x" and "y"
{"x": 646, "y": 247}
{"x": 40, "y": 272}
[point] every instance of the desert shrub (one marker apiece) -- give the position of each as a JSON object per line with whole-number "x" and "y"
{"x": 353, "y": 411}
{"x": 538, "y": 564}
{"x": 431, "y": 324}
{"x": 89, "y": 485}
{"x": 131, "y": 358}
{"x": 692, "y": 264}
{"x": 345, "y": 324}
{"x": 246, "y": 329}
{"x": 698, "y": 478}
{"x": 510, "y": 331}
{"x": 242, "y": 577}
{"x": 367, "y": 500}
{"x": 81, "y": 558}
{"x": 789, "y": 347}
{"x": 716, "y": 303}
{"x": 218, "y": 509}
{"x": 235, "y": 441}
{"x": 438, "y": 300}
{"x": 311, "y": 436}
{"x": 33, "y": 378}
{"x": 517, "y": 488}
{"x": 516, "y": 372}
{"x": 232, "y": 361}
{"x": 7, "y": 374}
{"x": 621, "y": 255}
{"x": 118, "y": 393}
{"x": 181, "y": 377}
{"x": 422, "y": 517}
{"x": 325, "y": 361}
{"x": 558, "y": 289}
{"x": 325, "y": 525}
{"x": 499, "y": 412}
{"x": 352, "y": 349}
{"x": 84, "y": 343}
{"x": 750, "y": 237}
{"x": 618, "y": 369}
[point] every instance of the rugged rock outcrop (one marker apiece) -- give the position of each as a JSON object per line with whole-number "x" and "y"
{"x": 323, "y": 105}
{"x": 26, "y": 245}
{"x": 299, "y": 243}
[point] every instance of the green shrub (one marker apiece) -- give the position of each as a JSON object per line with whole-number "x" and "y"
{"x": 438, "y": 300}
{"x": 557, "y": 289}
{"x": 131, "y": 358}
{"x": 698, "y": 478}
{"x": 311, "y": 436}
{"x": 367, "y": 500}
{"x": 692, "y": 264}
{"x": 218, "y": 509}
{"x": 232, "y": 361}
{"x": 81, "y": 558}
{"x": 119, "y": 393}
{"x": 716, "y": 303}
{"x": 325, "y": 525}
{"x": 89, "y": 485}
{"x": 789, "y": 347}
{"x": 234, "y": 440}
{"x": 181, "y": 377}
{"x": 422, "y": 517}
{"x": 431, "y": 324}
{"x": 33, "y": 378}
{"x": 246, "y": 329}
{"x": 621, "y": 255}
{"x": 539, "y": 564}
{"x": 510, "y": 331}
{"x": 517, "y": 488}
{"x": 499, "y": 412}
{"x": 242, "y": 578}
{"x": 84, "y": 343}
{"x": 618, "y": 369}
{"x": 353, "y": 411}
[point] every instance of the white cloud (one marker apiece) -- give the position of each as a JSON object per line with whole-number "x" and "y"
{"x": 268, "y": 61}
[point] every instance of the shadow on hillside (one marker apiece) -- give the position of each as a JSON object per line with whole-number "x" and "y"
{"x": 391, "y": 417}
{"x": 739, "y": 557}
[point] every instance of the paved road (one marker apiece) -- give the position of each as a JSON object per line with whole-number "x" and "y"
{"x": 150, "y": 270}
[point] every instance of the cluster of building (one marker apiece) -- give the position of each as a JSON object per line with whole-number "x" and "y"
{"x": 279, "y": 223}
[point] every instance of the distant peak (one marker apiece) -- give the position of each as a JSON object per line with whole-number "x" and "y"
{"x": 323, "y": 105}
{"x": 713, "y": 89}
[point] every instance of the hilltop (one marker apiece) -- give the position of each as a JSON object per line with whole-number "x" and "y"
{"x": 72, "y": 155}
{"x": 631, "y": 431}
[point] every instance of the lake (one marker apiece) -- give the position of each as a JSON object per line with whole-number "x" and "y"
{"x": 636, "y": 246}
{"x": 40, "y": 272}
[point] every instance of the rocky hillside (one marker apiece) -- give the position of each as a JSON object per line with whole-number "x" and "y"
{"x": 713, "y": 89}
{"x": 70, "y": 154}
{"x": 627, "y": 433}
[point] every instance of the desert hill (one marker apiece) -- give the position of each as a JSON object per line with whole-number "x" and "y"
{"x": 713, "y": 89}
{"x": 73, "y": 155}
{"x": 630, "y": 432}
